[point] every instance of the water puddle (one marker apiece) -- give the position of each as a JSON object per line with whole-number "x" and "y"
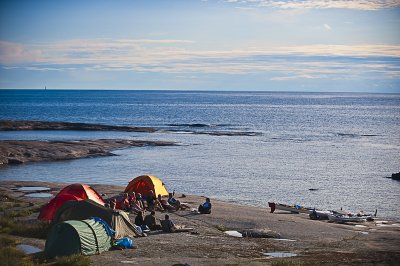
{"x": 382, "y": 225}
{"x": 28, "y": 249}
{"x": 284, "y": 239}
{"x": 360, "y": 225}
{"x": 234, "y": 233}
{"x": 279, "y": 254}
{"x": 39, "y": 195}
{"x": 33, "y": 189}
{"x": 388, "y": 225}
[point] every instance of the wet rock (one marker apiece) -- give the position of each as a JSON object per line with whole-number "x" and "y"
{"x": 396, "y": 176}
{"x": 14, "y": 161}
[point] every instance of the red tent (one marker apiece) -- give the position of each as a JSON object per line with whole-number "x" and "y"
{"x": 48, "y": 211}
{"x": 71, "y": 192}
{"x": 83, "y": 191}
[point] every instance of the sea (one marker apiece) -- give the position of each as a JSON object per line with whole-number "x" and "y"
{"x": 322, "y": 150}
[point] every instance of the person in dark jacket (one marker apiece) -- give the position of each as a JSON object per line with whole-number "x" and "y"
{"x": 139, "y": 221}
{"x": 150, "y": 221}
{"x": 205, "y": 208}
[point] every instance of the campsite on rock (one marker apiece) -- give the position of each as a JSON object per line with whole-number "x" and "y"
{"x": 83, "y": 222}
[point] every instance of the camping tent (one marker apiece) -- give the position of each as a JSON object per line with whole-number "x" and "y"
{"x": 85, "y": 237}
{"x": 85, "y": 209}
{"x": 48, "y": 211}
{"x": 143, "y": 184}
{"x": 82, "y": 191}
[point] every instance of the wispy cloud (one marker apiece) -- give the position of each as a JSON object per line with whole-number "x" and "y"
{"x": 327, "y": 27}
{"x": 179, "y": 57}
{"x": 322, "y": 4}
{"x": 12, "y": 53}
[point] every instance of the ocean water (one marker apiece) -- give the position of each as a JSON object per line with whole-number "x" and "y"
{"x": 245, "y": 147}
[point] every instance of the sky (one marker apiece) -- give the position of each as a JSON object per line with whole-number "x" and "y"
{"x": 246, "y": 45}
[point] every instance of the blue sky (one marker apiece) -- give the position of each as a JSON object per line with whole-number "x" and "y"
{"x": 266, "y": 45}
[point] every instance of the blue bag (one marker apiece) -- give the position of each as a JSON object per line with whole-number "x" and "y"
{"x": 125, "y": 242}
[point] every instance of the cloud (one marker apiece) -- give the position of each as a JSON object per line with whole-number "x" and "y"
{"x": 323, "y": 4}
{"x": 327, "y": 27}
{"x": 294, "y": 77}
{"x": 180, "y": 58}
{"x": 13, "y": 53}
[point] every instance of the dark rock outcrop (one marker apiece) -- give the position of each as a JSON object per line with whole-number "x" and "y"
{"x": 396, "y": 176}
{"x": 10, "y": 125}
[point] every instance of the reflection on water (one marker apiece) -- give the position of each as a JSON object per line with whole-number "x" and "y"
{"x": 33, "y": 189}
{"x": 280, "y": 254}
{"x": 39, "y": 195}
{"x": 28, "y": 249}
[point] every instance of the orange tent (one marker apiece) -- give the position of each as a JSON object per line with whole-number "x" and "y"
{"x": 82, "y": 191}
{"x": 144, "y": 183}
{"x": 48, "y": 211}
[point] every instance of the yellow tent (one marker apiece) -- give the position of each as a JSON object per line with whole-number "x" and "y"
{"x": 144, "y": 183}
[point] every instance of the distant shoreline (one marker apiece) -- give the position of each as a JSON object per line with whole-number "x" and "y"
{"x": 18, "y": 125}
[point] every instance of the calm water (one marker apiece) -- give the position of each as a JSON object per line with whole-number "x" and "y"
{"x": 275, "y": 146}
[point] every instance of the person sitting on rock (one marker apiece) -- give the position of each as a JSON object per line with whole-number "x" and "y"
{"x": 139, "y": 200}
{"x": 152, "y": 202}
{"x": 167, "y": 225}
{"x": 113, "y": 203}
{"x": 205, "y": 208}
{"x": 150, "y": 221}
{"x": 165, "y": 204}
{"x": 139, "y": 221}
{"x": 176, "y": 203}
{"x": 134, "y": 204}
{"x": 123, "y": 204}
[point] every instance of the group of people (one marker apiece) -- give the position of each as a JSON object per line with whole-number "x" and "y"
{"x": 135, "y": 203}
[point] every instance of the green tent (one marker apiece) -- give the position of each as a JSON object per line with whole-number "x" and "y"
{"x": 85, "y": 209}
{"x": 85, "y": 237}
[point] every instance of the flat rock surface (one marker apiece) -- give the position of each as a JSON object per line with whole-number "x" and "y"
{"x": 21, "y": 151}
{"x": 314, "y": 242}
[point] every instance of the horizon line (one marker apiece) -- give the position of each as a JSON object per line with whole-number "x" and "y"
{"x": 203, "y": 90}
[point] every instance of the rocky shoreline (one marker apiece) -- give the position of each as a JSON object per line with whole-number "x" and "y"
{"x": 14, "y": 125}
{"x": 22, "y": 151}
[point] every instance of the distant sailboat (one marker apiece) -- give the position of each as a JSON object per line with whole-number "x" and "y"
{"x": 45, "y": 88}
